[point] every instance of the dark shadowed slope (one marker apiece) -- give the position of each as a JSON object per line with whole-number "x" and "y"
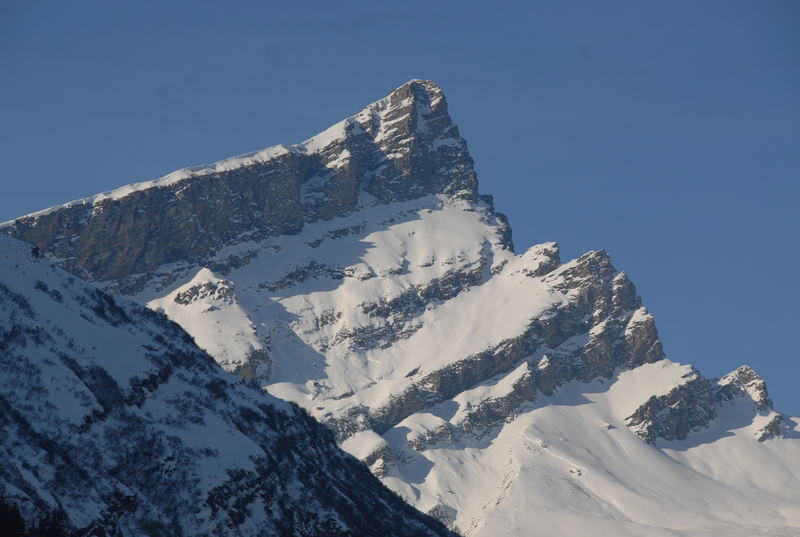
{"x": 112, "y": 418}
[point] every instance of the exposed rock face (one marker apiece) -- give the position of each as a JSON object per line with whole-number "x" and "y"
{"x": 694, "y": 404}
{"x": 402, "y": 147}
{"x": 221, "y": 291}
{"x": 745, "y": 381}
{"x": 773, "y": 429}
{"x": 110, "y": 416}
{"x": 672, "y": 416}
{"x": 598, "y": 304}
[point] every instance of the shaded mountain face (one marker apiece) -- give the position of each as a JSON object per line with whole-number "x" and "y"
{"x": 504, "y": 393}
{"x": 112, "y": 420}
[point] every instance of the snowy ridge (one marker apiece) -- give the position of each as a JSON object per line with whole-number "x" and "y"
{"x": 208, "y": 308}
{"x": 374, "y": 112}
{"x": 403, "y": 147}
{"x": 172, "y": 178}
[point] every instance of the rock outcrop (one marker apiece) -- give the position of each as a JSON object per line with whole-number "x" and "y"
{"x": 672, "y": 416}
{"x": 745, "y": 382}
{"x": 693, "y": 405}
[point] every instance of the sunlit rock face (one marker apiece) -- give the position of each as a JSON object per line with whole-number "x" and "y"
{"x": 504, "y": 393}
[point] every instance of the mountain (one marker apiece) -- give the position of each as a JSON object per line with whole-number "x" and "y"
{"x": 114, "y": 423}
{"x": 361, "y": 275}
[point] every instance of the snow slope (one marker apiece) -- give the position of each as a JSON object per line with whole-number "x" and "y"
{"x": 208, "y": 308}
{"x": 570, "y": 466}
{"x": 111, "y": 416}
{"x": 560, "y": 464}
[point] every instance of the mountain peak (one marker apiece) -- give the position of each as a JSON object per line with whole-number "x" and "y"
{"x": 358, "y": 275}
{"x": 427, "y": 84}
{"x": 402, "y": 147}
{"x": 417, "y": 88}
{"x": 745, "y": 379}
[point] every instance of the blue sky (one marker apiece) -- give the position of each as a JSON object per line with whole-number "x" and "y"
{"x": 665, "y": 132}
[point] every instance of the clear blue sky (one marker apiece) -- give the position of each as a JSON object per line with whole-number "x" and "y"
{"x": 665, "y": 132}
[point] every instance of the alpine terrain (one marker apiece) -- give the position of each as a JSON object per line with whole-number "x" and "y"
{"x": 112, "y": 422}
{"x": 361, "y": 275}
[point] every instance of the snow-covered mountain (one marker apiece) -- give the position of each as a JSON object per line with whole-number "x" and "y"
{"x": 111, "y": 417}
{"x": 361, "y": 275}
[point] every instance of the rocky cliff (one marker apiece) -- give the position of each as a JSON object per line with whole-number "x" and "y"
{"x": 402, "y": 147}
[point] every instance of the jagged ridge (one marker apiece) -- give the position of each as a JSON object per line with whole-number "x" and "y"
{"x": 401, "y": 147}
